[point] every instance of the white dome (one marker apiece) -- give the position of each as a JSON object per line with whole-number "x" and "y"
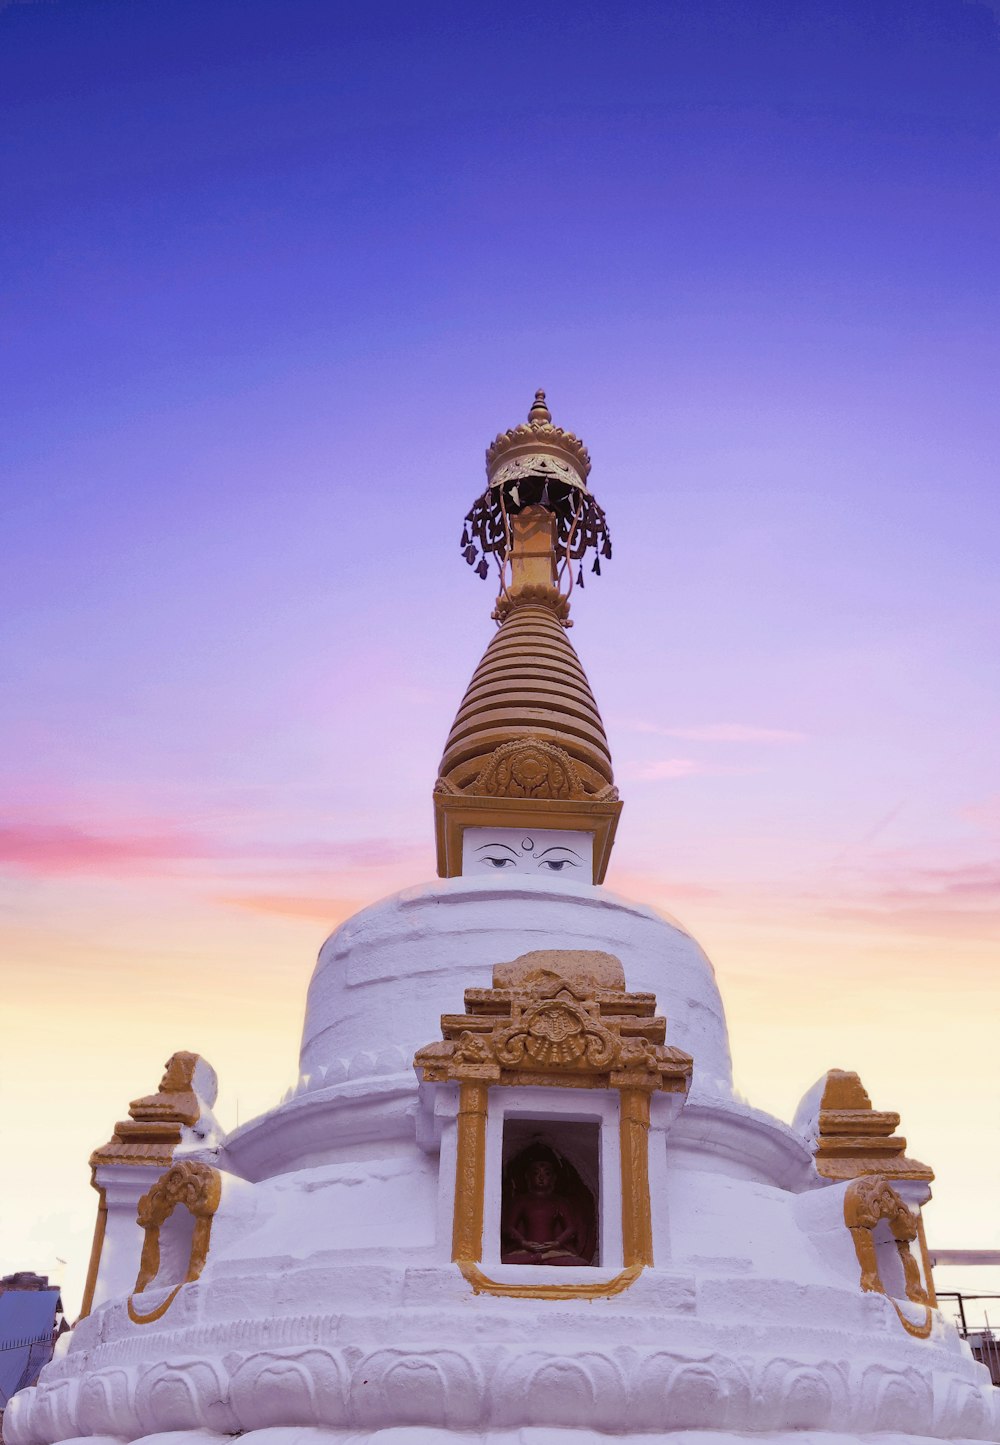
{"x": 387, "y": 974}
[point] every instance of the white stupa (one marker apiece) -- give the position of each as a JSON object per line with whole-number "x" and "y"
{"x": 514, "y": 1198}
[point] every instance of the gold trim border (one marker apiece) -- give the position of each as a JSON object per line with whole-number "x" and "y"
{"x": 481, "y": 1284}
{"x": 159, "y": 1312}
{"x": 470, "y": 1198}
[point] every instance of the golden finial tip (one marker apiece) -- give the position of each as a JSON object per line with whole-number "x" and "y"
{"x": 539, "y": 411}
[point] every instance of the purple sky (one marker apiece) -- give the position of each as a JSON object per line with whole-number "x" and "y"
{"x": 272, "y": 275}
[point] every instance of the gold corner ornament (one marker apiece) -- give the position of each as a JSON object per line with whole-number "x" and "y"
{"x": 867, "y": 1201}
{"x": 147, "y": 1138}
{"x": 556, "y": 1019}
{"x": 854, "y": 1139}
{"x": 153, "y": 1129}
{"x": 199, "y": 1188}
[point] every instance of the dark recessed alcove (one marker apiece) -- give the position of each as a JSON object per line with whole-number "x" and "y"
{"x": 551, "y": 1192}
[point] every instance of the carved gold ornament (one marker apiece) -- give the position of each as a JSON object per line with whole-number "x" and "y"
{"x": 529, "y": 768}
{"x": 153, "y": 1129}
{"x": 854, "y": 1139}
{"x": 537, "y": 438}
{"x": 199, "y": 1188}
{"x": 147, "y": 1138}
{"x": 555, "y": 1034}
{"x": 533, "y": 594}
{"x": 556, "y": 1018}
{"x": 867, "y": 1201}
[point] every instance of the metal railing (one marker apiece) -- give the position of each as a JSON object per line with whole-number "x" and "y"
{"x": 982, "y": 1341}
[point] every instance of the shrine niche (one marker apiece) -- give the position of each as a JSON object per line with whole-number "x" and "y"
{"x": 554, "y": 1020}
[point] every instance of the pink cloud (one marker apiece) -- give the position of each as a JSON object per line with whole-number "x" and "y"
{"x": 363, "y": 853}
{"x": 54, "y": 848}
{"x": 977, "y": 882}
{"x": 718, "y": 733}
{"x": 330, "y": 911}
{"x": 945, "y": 899}
{"x": 985, "y": 814}
{"x": 666, "y": 768}
{"x": 638, "y": 884}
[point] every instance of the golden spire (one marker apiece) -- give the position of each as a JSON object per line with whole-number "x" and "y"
{"x": 539, "y": 411}
{"x": 536, "y": 449}
{"x": 527, "y": 748}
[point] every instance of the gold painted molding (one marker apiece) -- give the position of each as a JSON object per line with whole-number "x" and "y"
{"x": 637, "y": 1224}
{"x": 854, "y": 1139}
{"x": 470, "y": 1171}
{"x": 199, "y": 1188}
{"x": 481, "y": 1284}
{"x": 96, "y": 1249}
{"x": 867, "y": 1201}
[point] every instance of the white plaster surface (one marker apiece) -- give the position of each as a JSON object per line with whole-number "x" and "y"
{"x": 386, "y": 975}
{"x": 329, "y": 1309}
{"x": 532, "y": 1435}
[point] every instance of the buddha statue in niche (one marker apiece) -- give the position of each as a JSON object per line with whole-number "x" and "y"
{"x": 548, "y": 1212}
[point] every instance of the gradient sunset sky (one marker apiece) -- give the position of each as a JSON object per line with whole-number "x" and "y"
{"x": 273, "y": 272}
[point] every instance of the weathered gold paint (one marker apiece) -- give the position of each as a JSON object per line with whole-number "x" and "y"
{"x": 637, "y": 1229}
{"x": 532, "y": 553}
{"x": 926, "y": 1258}
{"x": 854, "y": 1139}
{"x": 96, "y": 1249}
{"x": 867, "y": 1201}
{"x": 470, "y": 1172}
{"x": 199, "y": 1188}
{"x": 481, "y": 1285}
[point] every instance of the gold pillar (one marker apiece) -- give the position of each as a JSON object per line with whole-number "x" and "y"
{"x": 637, "y": 1230}
{"x": 470, "y": 1180}
{"x": 100, "y": 1226}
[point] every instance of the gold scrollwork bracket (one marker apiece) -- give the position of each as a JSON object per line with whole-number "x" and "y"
{"x": 199, "y": 1188}
{"x": 867, "y": 1201}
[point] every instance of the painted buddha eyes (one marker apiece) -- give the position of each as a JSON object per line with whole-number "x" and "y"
{"x": 506, "y": 857}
